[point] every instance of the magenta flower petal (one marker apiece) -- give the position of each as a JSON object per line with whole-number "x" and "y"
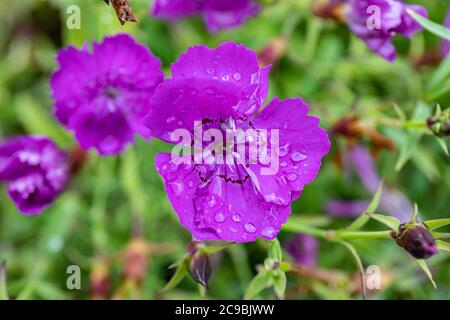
{"x": 302, "y": 145}
{"x": 224, "y": 196}
{"x": 37, "y": 172}
{"x": 115, "y": 80}
{"x": 229, "y": 62}
{"x": 218, "y": 14}
{"x": 180, "y": 183}
{"x": 224, "y": 14}
{"x": 393, "y": 19}
{"x": 176, "y": 9}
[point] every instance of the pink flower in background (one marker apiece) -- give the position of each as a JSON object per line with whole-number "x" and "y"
{"x": 303, "y": 249}
{"x": 218, "y": 14}
{"x": 224, "y": 89}
{"x": 377, "y": 22}
{"x": 392, "y": 201}
{"x": 445, "y": 46}
{"x": 37, "y": 172}
{"x": 102, "y": 95}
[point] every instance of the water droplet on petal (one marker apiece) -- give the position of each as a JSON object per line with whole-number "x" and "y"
{"x": 226, "y": 77}
{"x": 297, "y": 156}
{"x": 209, "y": 70}
{"x": 250, "y": 228}
{"x": 177, "y": 188}
{"x": 169, "y": 120}
{"x": 236, "y": 217}
{"x": 219, "y": 217}
{"x": 284, "y": 150}
{"x": 237, "y": 76}
{"x": 269, "y": 233}
{"x": 191, "y": 184}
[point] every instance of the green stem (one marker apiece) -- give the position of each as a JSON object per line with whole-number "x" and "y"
{"x": 335, "y": 235}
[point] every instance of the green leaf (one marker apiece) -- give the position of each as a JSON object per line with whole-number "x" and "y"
{"x": 443, "y": 146}
{"x": 373, "y": 205}
{"x": 275, "y": 250}
{"x": 3, "y": 286}
{"x": 260, "y": 282}
{"x": 439, "y": 76}
{"x": 358, "y": 263}
{"x": 443, "y": 246}
{"x": 180, "y": 273}
{"x": 390, "y": 222}
{"x": 433, "y": 27}
{"x": 423, "y": 265}
{"x": 434, "y": 224}
{"x": 279, "y": 284}
{"x": 216, "y": 248}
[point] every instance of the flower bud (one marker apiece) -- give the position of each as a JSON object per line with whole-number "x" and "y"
{"x": 440, "y": 127}
{"x": 200, "y": 268}
{"x": 417, "y": 240}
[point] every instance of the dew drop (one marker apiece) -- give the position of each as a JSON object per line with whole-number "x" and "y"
{"x": 236, "y": 217}
{"x": 210, "y": 70}
{"x": 250, "y": 228}
{"x": 219, "y": 217}
{"x": 284, "y": 149}
{"x": 297, "y": 156}
{"x": 177, "y": 188}
{"x": 169, "y": 120}
{"x": 269, "y": 233}
{"x": 237, "y": 76}
{"x": 191, "y": 184}
{"x": 226, "y": 77}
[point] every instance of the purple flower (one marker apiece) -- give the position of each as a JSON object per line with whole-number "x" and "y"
{"x": 376, "y": 22}
{"x": 37, "y": 172}
{"x": 445, "y": 45}
{"x": 102, "y": 95}
{"x": 223, "y": 89}
{"x": 394, "y": 202}
{"x": 218, "y": 14}
{"x": 303, "y": 249}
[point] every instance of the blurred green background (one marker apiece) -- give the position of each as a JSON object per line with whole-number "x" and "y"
{"x": 114, "y": 201}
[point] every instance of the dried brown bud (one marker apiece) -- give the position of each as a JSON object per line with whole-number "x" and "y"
{"x": 123, "y": 10}
{"x": 136, "y": 260}
{"x": 99, "y": 280}
{"x": 273, "y": 52}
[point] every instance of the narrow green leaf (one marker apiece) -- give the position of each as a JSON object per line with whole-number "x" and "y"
{"x": 373, "y": 205}
{"x": 3, "y": 286}
{"x": 443, "y": 146}
{"x": 423, "y": 265}
{"x": 401, "y": 115}
{"x": 434, "y": 224}
{"x": 180, "y": 273}
{"x": 390, "y": 222}
{"x": 433, "y": 27}
{"x": 260, "y": 282}
{"x": 275, "y": 250}
{"x": 279, "y": 284}
{"x": 439, "y": 76}
{"x": 358, "y": 263}
{"x": 443, "y": 246}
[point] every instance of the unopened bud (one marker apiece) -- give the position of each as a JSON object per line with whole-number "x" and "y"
{"x": 200, "y": 268}
{"x": 273, "y": 52}
{"x": 439, "y": 127}
{"x": 417, "y": 240}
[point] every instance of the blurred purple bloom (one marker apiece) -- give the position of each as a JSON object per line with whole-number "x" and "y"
{"x": 37, "y": 172}
{"x": 102, "y": 95}
{"x": 303, "y": 249}
{"x": 342, "y": 208}
{"x": 394, "y": 202}
{"x": 224, "y": 89}
{"x": 445, "y": 46}
{"x": 378, "y": 30}
{"x": 218, "y": 14}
